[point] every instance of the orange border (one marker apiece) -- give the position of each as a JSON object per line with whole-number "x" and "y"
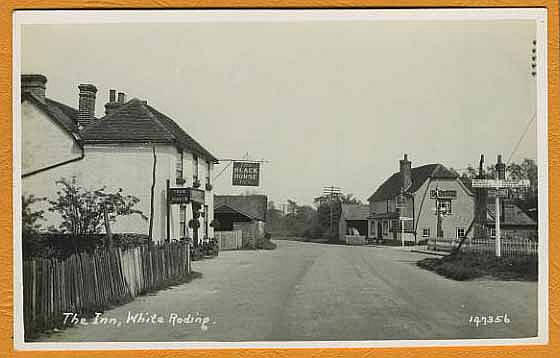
{"x": 6, "y": 249}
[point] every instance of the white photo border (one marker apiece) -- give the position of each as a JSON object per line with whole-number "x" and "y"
{"x": 539, "y": 15}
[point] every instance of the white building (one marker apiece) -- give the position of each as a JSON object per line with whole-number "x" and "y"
{"x": 116, "y": 151}
{"x": 419, "y": 186}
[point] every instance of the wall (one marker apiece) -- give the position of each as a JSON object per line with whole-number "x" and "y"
{"x": 38, "y": 153}
{"x": 122, "y": 166}
{"x": 462, "y": 208}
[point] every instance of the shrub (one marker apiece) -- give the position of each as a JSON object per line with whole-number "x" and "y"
{"x": 30, "y": 218}
{"x": 469, "y": 266}
{"x": 85, "y": 212}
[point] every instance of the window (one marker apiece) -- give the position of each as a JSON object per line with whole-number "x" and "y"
{"x": 208, "y": 173}
{"x": 385, "y": 227}
{"x": 445, "y": 206}
{"x": 183, "y": 220}
{"x": 179, "y": 167}
{"x": 460, "y": 232}
{"x": 493, "y": 232}
{"x": 195, "y": 168}
{"x": 426, "y": 232}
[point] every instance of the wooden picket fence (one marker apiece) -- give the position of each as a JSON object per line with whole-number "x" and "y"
{"x": 512, "y": 247}
{"x": 229, "y": 240}
{"x": 85, "y": 283}
{"x": 508, "y": 247}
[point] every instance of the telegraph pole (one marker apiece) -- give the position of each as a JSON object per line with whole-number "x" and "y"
{"x": 332, "y": 193}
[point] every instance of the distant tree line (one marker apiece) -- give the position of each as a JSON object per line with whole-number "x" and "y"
{"x": 309, "y": 222}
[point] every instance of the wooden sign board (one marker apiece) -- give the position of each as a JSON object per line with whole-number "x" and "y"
{"x": 500, "y": 183}
{"x": 502, "y": 193}
{"x": 246, "y": 174}
{"x": 197, "y": 195}
{"x": 443, "y": 194}
{"x": 178, "y": 195}
{"x": 185, "y": 195}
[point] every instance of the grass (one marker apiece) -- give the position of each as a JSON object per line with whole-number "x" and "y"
{"x": 466, "y": 266}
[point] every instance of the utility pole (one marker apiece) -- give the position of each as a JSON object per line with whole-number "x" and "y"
{"x": 332, "y": 193}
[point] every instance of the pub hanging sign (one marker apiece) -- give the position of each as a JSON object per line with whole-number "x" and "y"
{"x": 246, "y": 174}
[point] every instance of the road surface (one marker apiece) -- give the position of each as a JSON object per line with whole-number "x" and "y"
{"x": 308, "y": 291}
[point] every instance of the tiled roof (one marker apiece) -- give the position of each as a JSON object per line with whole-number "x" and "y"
{"x": 252, "y": 206}
{"x": 392, "y": 186}
{"x": 355, "y": 212}
{"x": 137, "y": 122}
{"x": 514, "y": 216}
{"x": 63, "y": 115}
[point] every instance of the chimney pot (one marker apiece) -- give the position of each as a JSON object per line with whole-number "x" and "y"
{"x": 35, "y": 84}
{"x": 121, "y": 97}
{"x": 112, "y": 95}
{"x": 86, "y": 104}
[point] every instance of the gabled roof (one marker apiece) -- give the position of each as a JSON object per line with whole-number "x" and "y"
{"x": 514, "y": 216}
{"x": 252, "y": 206}
{"x": 65, "y": 116}
{"x": 137, "y": 122}
{"x": 392, "y": 186}
{"x": 355, "y": 212}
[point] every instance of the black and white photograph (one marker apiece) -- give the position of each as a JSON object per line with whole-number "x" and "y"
{"x": 280, "y": 178}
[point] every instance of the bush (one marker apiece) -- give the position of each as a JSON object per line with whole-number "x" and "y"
{"x": 60, "y": 245}
{"x": 85, "y": 212}
{"x": 464, "y": 266}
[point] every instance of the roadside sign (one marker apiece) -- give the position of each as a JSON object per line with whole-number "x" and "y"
{"x": 501, "y": 192}
{"x": 500, "y": 183}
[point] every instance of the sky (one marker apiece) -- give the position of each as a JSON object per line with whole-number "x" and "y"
{"x": 324, "y": 103}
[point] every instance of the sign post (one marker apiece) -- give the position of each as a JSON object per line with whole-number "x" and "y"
{"x": 499, "y": 185}
{"x": 401, "y": 204}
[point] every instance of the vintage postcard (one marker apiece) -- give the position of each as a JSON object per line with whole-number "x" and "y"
{"x": 280, "y": 178}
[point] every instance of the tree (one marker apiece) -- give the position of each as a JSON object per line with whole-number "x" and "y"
{"x": 30, "y": 218}
{"x": 83, "y": 212}
{"x": 350, "y": 199}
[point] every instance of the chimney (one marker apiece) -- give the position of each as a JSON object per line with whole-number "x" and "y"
{"x": 86, "y": 104}
{"x": 121, "y": 98}
{"x": 500, "y": 168}
{"x": 406, "y": 172}
{"x": 112, "y": 105}
{"x": 35, "y": 84}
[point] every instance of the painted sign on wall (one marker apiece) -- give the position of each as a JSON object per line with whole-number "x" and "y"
{"x": 245, "y": 174}
{"x": 444, "y": 194}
